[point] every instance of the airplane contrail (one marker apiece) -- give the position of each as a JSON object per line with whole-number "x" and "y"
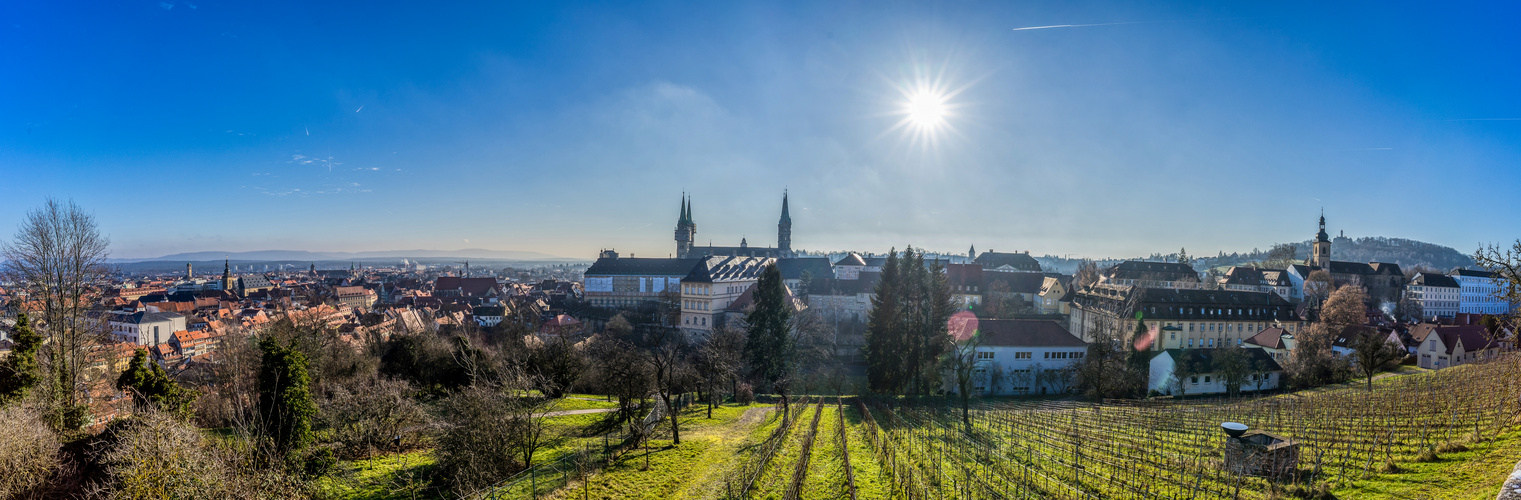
{"x": 308, "y": 129}
{"x": 1123, "y": 23}
{"x": 361, "y": 106}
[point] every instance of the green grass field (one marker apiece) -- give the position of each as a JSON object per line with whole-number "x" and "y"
{"x": 1360, "y": 444}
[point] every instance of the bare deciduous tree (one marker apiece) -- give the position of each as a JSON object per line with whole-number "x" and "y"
{"x": 57, "y": 257}
{"x": 1281, "y": 256}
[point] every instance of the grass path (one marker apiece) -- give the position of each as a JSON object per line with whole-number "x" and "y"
{"x": 1474, "y": 474}
{"x": 693, "y": 469}
{"x": 826, "y": 468}
{"x": 777, "y": 477}
{"x": 726, "y": 454}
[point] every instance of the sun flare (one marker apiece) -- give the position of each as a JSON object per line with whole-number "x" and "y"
{"x": 926, "y": 109}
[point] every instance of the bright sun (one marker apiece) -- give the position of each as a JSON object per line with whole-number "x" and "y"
{"x": 926, "y": 109}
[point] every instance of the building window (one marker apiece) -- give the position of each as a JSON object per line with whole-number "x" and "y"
{"x": 1206, "y": 379}
{"x": 1194, "y": 379}
{"x": 1021, "y": 355}
{"x": 1190, "y": 343}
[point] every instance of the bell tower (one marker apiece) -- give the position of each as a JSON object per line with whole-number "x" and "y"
{"x": 1320, "y": 250}
{"x": 686, "y": 229}
{"x": 784, "y": 230}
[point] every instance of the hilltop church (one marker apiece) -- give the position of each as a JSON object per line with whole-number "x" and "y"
{"x": 686, "y": 236}
{"x": 1384, "y": 281}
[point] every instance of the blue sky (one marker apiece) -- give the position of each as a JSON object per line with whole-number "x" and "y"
{"x": 565, "y": 128}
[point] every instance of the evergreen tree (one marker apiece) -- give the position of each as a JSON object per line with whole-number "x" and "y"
{"x": 768, "y": 346}
{"x": 19, "y": 372}
{"x": 150, "y": 385}
{"x": 906, "y": 334}
{"x": 884, "y": 343}
{"x": 285, "y": 400}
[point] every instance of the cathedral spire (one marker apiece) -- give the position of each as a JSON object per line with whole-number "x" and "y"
{"x": 684, "y": 216}
{"x": 784, "y": 230}
{"x": 786, "y": 217}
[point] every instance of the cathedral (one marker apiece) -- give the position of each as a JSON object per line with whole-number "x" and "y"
{"x": 686, "y": 236}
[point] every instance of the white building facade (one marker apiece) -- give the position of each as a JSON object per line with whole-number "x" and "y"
{"x": 1438, "y": 294}
{"x": 1019, "y": 357}
{"x": 1477, "y": 293}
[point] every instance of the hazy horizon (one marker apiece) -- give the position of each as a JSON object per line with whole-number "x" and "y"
{"x": 1093, "y": 129}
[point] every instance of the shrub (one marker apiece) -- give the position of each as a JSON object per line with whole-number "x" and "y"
{"x": 28, "y": 450}
{"x": 744, "y": 394}
{"x": 374, "y": 414}
{"x": 154, "y": 455}
{"x": 486, "y": 436}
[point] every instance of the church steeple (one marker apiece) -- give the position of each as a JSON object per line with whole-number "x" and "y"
{"x": 686, "y": 229}
{"x": 226, "y": 276}
{"x": 784, "y": 230}
{"x": 1320, "y": 250}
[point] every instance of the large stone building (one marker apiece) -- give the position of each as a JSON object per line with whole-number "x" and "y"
{"x": 1384, "y": 281}
{"x": 143, "y": 327}
{"x": 628, "y": 282}
{"x": 686, "y": 237}
{"x": 1151, "y": 275}
{"x": 1181, "y": 318}
{"x": 710, "y": 289}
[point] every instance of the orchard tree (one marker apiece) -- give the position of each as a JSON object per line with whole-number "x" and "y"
{"x": 962, "y": 360}
{"x": 1375, "y": 353}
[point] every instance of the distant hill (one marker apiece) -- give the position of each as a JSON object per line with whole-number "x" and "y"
{"x": 302, "y": 255}
{"x": 1406, "y": 253}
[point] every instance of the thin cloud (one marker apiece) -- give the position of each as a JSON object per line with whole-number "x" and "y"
{"x": 166, "y": 5}
{"x": 1485, "y": 120}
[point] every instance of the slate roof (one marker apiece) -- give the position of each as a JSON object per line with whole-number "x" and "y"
{"x": 1437, "y": 280}
{"x": 1474, "y": 274}
{"x": 480, "y": 311}
{"x": 1026, "y": 333}
{"x": 1202, "y": 361}
{"x": 1243, "y": 275}
{"x": 1016, "y": 282}
{"x": 717, "y": 268}
{"x": 254, "y": 281}
{"x": 1368, "y": 269}
{"x": 1152, "y": 271}
{"x": 792, "y": 269}
{"x": 1211, "y": 297}
{"x": 631, "y": 266}
{"x": 148, "y": 317}
{"x": 1019, "y": 261}
{"x": 746, "y": 251}
{"x": 964, "y": 275}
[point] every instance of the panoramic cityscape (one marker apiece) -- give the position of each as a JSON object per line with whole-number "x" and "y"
{"x": 1021, "y": 250}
